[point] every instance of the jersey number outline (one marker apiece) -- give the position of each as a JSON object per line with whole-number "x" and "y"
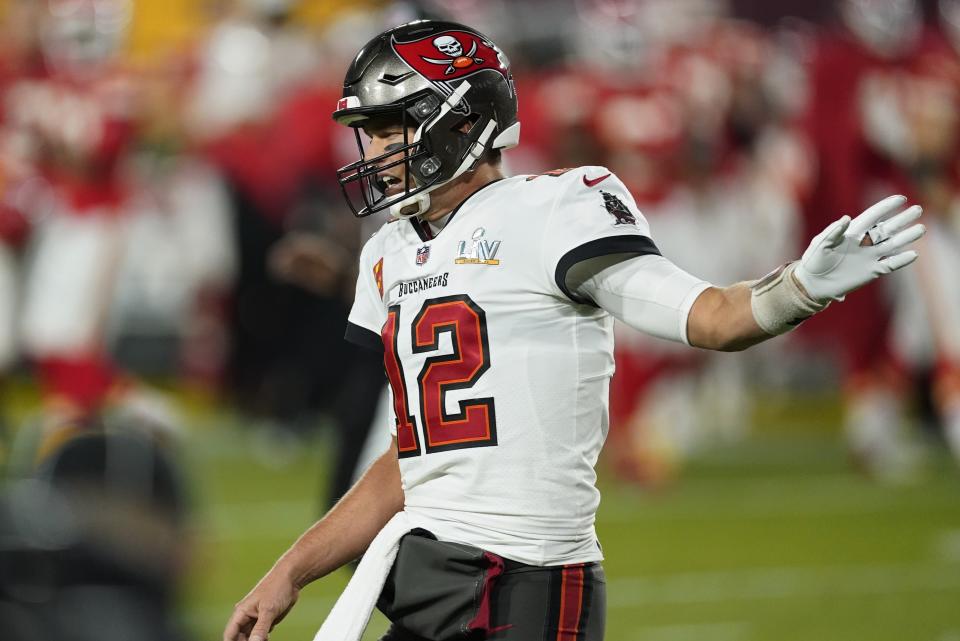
{"x": 475, "y": 424}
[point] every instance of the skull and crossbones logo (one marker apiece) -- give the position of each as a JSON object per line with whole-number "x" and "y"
{"x": 451, "y": 47}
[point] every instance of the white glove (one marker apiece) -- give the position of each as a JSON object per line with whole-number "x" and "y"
{"x": 836, "y": 263}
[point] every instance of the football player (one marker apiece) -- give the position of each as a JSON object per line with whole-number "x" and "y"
{"x": 74, "y": 121}
{"x": 492, "y": 299}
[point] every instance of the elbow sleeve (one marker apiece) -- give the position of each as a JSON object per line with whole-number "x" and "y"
{"x": 648, "y": 293}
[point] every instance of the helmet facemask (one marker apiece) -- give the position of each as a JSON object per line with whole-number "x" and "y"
{"x": 362, "y": 182}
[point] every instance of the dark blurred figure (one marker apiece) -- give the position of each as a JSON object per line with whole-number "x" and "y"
{"x": 296, "y": 245}
{"x": 259, "y": 111}
{"x": 94, "y": 544}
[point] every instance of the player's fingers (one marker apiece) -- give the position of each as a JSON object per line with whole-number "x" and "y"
{"x": 887, "y": 228}
{"x": 901, "y": 240}
{"x": 261, "y": 630}
{"x": 873, "y": 215}
{"x": 234, "y": 630}
{"x": 898, "y": 261}
{"x": 833, "y": 234}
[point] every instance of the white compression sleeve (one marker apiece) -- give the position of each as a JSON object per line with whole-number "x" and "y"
{"x": 648, "y": 293}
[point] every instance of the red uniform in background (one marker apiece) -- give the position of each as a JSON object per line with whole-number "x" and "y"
{"x": 67, "y": 122}
{"x": 77, "y": 131}
{"x": 849, "y": 170}
{"x": 862, "y": 123}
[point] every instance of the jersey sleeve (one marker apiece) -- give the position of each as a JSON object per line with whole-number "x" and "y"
{"x": 368, "y": 313}
{"x": 593, "y": 216}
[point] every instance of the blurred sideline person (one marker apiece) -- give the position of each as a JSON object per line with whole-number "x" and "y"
{"x": 703, "y": 141}
{"x": 95, "y": 543}
{"x": 70, "y": 117}
{"x": 919, "y": 133}
{"x": 254, "y": 119}
{"x": 493, "y": 301}
{"x": 78, "y": 118}
{"x": 875, "y": 85}
{"x": 315, "y": 263}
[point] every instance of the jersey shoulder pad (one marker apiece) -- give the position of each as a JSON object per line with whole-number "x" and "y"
{"x": 597, "y": 188}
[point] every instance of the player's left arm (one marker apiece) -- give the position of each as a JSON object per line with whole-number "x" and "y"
{"x": 842, "y": 258}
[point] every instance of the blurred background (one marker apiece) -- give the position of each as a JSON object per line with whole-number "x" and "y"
{"x": 176, "y": 265}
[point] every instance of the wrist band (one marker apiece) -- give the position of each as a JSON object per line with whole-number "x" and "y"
{"x": 779, "y": 304}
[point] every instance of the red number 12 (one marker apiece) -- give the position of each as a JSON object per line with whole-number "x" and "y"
{"x": 474, "y": 425}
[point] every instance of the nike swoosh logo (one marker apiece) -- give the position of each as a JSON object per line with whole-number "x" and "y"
{"x": 595, "y": 181}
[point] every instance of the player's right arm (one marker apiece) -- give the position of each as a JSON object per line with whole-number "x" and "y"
{"x": 338, "y": 538}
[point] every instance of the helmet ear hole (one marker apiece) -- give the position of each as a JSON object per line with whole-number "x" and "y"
{"x": 465, "y": 125}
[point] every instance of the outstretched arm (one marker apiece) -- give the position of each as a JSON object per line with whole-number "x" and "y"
{"x": 651, "y": 294}
{"x": 842, "y": 258}
{"x": 336, "y": 539}
{"x": 722, "y": 319}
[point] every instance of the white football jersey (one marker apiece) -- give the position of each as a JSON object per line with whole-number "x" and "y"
{"x": 499, "y": 373}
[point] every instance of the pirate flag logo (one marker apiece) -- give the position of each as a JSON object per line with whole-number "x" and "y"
{"x": 451, "y": 55}
{"x": 617, "y": 209}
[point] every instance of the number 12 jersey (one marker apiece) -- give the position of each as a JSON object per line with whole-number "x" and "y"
{"x": 499, "y": 371}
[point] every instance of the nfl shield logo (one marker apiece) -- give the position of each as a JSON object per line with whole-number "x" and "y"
{"x": 423, "y": 254}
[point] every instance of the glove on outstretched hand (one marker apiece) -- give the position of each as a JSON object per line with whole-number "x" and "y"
{"x": 840, "y": 259}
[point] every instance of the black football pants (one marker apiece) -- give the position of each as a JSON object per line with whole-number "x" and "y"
{"x": 530, "y": 603}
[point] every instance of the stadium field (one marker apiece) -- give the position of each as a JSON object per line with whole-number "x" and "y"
{"x": 771, "y": 539}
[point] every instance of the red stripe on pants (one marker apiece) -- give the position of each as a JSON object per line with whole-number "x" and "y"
{"x": 571, "y": 601}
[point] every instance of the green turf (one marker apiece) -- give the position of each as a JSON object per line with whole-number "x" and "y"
{"x": 774, "y": 539}
{"x": 771, "y": 539}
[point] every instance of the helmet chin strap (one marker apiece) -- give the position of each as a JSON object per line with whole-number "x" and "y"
{"x": 416, "y": 205}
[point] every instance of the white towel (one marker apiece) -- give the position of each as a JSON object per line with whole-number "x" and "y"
{"x": 351, "y": 613}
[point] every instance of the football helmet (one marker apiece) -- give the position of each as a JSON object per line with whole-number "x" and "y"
{"x": 446, "y": 80}
{"x": 80, "y": 37}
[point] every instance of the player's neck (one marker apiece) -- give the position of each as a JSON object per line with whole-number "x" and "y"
{"x": 443, "y": 201}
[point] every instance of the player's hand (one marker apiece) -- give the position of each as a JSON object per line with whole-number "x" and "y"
{"x": 266, "y": 605}
{"x": 310, "y": 261}
{"x": 850, "y": 253}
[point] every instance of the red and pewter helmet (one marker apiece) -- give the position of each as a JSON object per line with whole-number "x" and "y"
{"x": 435, "y": 77}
